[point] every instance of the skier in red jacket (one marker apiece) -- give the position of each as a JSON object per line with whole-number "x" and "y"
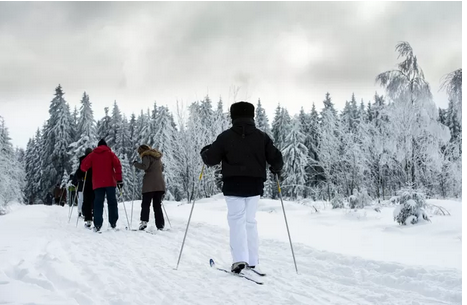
{"x": 106, "y": 175}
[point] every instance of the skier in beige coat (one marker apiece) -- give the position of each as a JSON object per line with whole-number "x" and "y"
{"x": 153, "y": 185}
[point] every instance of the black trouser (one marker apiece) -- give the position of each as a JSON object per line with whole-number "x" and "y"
{"x": 156, "y": 198}
{"x": 88, "y": 203}
{"x": 100, "y": 194}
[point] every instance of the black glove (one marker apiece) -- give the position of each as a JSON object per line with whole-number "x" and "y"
{"x": 274, "y": 171}
{"x": 120, "y": 185}
{"x": 205, "y": 148}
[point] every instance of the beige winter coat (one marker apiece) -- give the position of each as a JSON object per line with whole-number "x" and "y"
{"x": 153, "y": 179}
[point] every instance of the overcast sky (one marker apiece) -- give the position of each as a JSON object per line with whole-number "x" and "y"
{"x": 290, "y": 53}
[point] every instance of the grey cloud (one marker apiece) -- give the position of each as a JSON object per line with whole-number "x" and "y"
{"x": 154, "y": 50}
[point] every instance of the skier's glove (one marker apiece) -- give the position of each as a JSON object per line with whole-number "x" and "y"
{"x": 120, "y": 185}
{"x": 275, "y": 172}
{"x": 205, "y": 148}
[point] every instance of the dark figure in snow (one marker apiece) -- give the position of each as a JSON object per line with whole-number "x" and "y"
{"x": 243, "y": 150}
{"x": 49, "y": 198}
{"x": 85, "y": 190}
{"x": 60, "y": 195}
{"x": 153, "y": 185}
{"x": 106, "y": 176}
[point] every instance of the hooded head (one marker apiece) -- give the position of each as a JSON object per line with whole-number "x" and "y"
{"x": 242, "y": 110}
{"x": 143, "y": 148}
{"x": 102, "y": 142}
{"x": 88, "y": 151}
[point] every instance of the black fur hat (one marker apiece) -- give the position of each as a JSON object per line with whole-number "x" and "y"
{"x": 242, "y": 110}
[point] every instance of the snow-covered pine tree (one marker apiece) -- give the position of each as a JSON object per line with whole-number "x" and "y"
{"x": 306, "y": 130}
{"x": 85, "y": 132}
{"x": 315, "y": 174}
{"x": 74, "y": 125}
{"x": 328, "y": 148}
{"x": 29, "y": 169}
{"x": 262, "y": 123}
{"x": 103, "y": 126}
{"x": 261, "y": 119}
{"x": 452, "y": 83}
{"x": 127, "y": 175}
{"x": 123, "y": 145}
{"x": 12, "y": 174}
{"x": 207, "y": 121}
{"x": 414, "y": 114}
{"x": 411, "y": 208}
{"x": 280, "y": 130}
{"x": 57, "y": 139}
{"x": 296, "y": 154}
{"x": 165, "y": 141}
{"x": 40, "y": 186}
{"x": 145, "y": 128}
{"x": 452, "y": 121}
{"x": 115, "y": 129}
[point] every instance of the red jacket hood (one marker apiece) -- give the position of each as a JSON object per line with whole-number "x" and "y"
{"x": 101, "y": 149}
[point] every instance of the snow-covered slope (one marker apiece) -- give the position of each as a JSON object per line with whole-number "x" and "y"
{"x": 343, "y": 258}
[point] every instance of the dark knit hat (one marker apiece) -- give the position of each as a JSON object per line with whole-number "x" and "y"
{"x": 102, "y": 142}
{"x": 88, "y": 151}
{"x": 242, "y": 110}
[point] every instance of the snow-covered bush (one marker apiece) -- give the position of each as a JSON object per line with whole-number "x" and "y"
{"x": 337, "y": 202}
{"x": 359, "y": 199}
{"x": 411, "y": 208}
{"x": 394, "y": 200}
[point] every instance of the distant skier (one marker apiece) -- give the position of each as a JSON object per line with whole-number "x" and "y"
{"x": 86, "y": 197}
{"x": 72, "y": 190}
{"x": 106, "y": 175}
{"x": 243, "y": 150}
{"x": 153, "y": 185}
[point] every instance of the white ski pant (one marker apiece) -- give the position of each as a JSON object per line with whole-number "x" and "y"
{"x": 80, "y": 202}
{"x": 241, "y": 216}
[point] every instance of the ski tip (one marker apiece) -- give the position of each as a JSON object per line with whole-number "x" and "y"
{"x": 211, "y": 262}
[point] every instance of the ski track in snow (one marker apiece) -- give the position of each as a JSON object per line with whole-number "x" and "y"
{"x": 51, "y": 262}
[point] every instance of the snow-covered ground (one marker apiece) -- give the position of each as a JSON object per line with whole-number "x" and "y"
{"x": 343, "y": 257}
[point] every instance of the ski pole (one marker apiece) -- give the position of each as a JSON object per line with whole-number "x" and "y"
{"x": 61, "y": 196}
{"x": 286, "y": 224}
{"x": 124, "y": 207}
{"x": 189, "y": 218}
{"x": 84, "y": 185}
{"x": 166, "y": 215}
{"x": 132, "y": 197}
{"x": 70, "y": 211}
{"x": 77, "y": 204}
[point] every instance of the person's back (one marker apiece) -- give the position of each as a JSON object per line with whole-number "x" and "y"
{"x": 106, "y": 175}
{"x": 85, "y": 190}
{"x": 243, "y": 151}
{"x": 103, "y": 160}
{"x": 153, "y": 185}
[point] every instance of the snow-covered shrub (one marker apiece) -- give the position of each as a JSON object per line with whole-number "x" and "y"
{"x": 394, "y": 200}
{"x": 359, "y": 200}
{"x": 337, "y": 202}
{"x": 411, "y": 208}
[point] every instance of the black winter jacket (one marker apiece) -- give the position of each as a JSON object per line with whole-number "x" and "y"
{"x": 79, "y": 176}
{"x": 244, "y": 151}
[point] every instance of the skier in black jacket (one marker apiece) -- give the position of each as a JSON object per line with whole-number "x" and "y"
{"x": 88, "y": 194}
{"x": 244, "y": 151}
